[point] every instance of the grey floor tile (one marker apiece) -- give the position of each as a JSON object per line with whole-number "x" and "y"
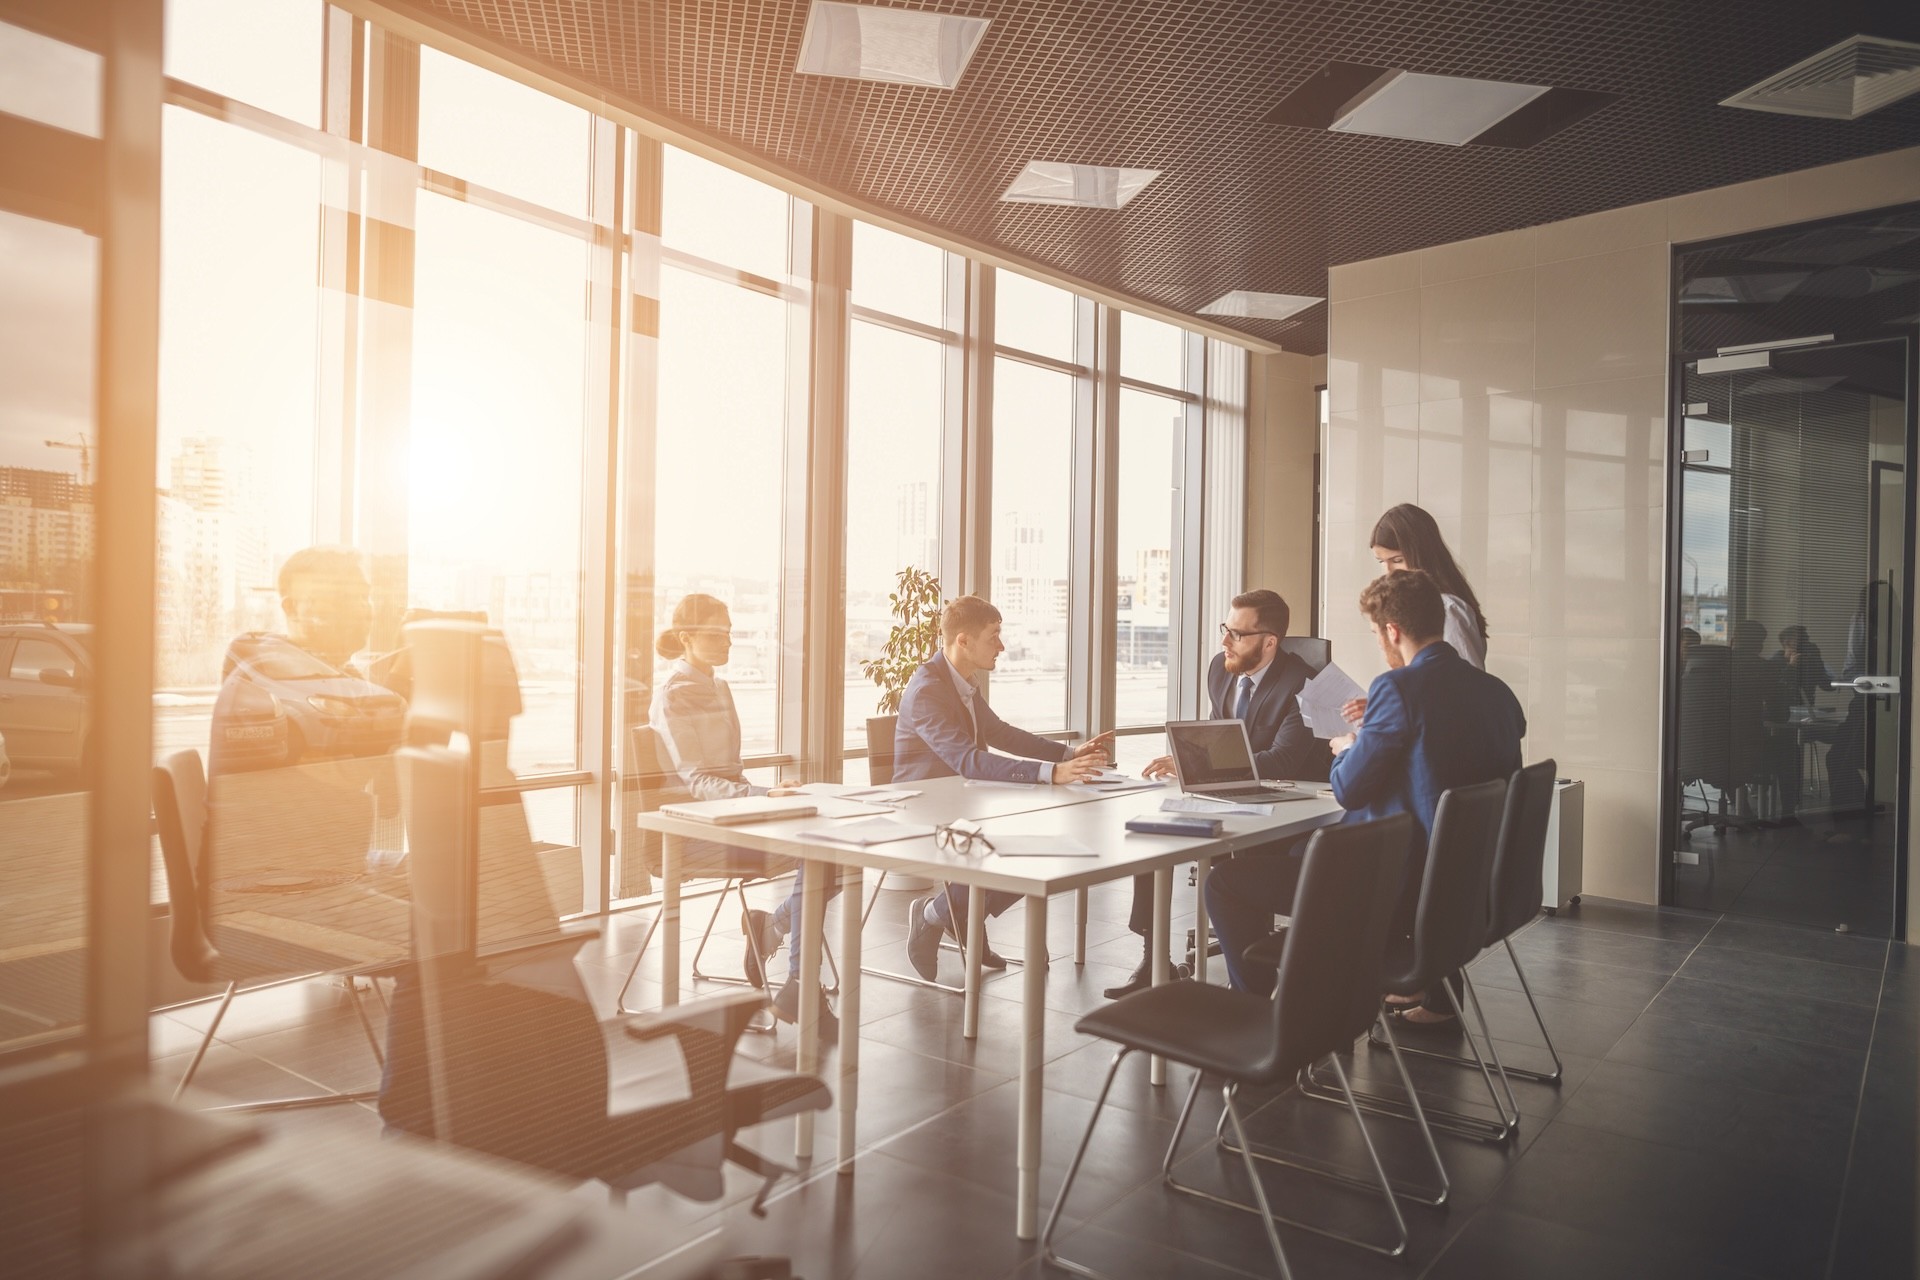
{"x": 1793, "y": 940}
{"x": 1550, "y": 975}
{"x": 1633, "y": 918}
{"x": 1599, "y": 946}
{"x": 1742, "y": 1059}
{"x": 1769, "y": 1011}
{"x": 1499, "y": 1244}
{"x": 1785, "y": 975}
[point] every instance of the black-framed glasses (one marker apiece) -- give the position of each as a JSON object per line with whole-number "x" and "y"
{"x": 1228, "y": 633}
{"x": 962, "y": 840}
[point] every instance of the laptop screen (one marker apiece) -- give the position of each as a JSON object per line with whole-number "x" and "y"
{"x": 1211, "y": 751}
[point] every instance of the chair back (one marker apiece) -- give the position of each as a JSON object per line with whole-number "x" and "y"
{"x": 1450, "y": 921}
{"x": 1520, "y": 855}
{"x": 1312, "y": 650}
{"x": 1329, "y": 983}
{"x": 1706, "y": 717}
{"x": 880, "y": 731}
{"x": 180, "y": 813}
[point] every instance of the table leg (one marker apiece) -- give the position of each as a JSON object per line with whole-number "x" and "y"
{"x": 1162, "y": 942}
{"x": 670, "y": 851}
{"x": 1033, "y": 1057}
{"x": 813, "y": 904}
{"x": 1202, "y": 932}
{"x": 852, "y": 893}
{"x": 1080, "y": 926}
{"x": 976, "y": 947}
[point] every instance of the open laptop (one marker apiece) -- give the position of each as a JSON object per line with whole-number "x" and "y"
{"x": 1213, "y": 758}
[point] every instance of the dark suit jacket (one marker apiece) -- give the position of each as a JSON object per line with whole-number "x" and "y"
{"x": 1283, "y": 746}
{"x": 1437, "y": 722}
{"x": 935, "y": 737}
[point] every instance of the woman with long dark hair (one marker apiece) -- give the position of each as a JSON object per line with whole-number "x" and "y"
{"x": 1406, "y": 537}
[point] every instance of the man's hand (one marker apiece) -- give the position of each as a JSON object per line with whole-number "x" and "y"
{"x": 1341, "y": 743}
{"x": 1077, "y": 768}
{"x": 1158, "y": 769}
{"x": 1101, "y": 744}
{"x": 784, "y": 789}
{"x": 1354, "y": 709}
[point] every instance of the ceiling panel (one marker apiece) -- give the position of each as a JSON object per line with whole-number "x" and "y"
{"x": 1182, "y": 86}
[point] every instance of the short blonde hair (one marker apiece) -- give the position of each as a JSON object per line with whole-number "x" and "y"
{"x": 966, "y": 616}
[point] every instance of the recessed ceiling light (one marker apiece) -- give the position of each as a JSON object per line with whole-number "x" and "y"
{"x": 1858, "y": 75}
{"x": 1244, "y": 304}
{"x": 1090, "y": 186}
{"x": 1347, "y": 97}
{"x": 894, "y": 46}
{"x": 1448, "y": 109}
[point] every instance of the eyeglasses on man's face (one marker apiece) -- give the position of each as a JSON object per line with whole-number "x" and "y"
{"x": 1228, "y": 633}
{"x": 962, "y": 840}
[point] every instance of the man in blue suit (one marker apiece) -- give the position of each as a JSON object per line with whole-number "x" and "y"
{"x": 1433, "y": 722}
{"x": 947, "y": 728}
{"x": 1252, "y": 679}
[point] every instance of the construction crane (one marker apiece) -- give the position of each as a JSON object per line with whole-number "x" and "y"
{"x": 86, "y": 454}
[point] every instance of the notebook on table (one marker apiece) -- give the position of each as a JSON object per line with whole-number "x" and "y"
{"x": 732, "y": 813}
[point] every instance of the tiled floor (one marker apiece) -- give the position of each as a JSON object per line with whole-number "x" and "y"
{"x": 1739, "y": 1101}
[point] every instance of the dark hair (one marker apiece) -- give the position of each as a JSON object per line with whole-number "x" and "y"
{"x": 1268, "y": 608}
{"x": 1798, "y": 637}
{"x": 1410, "y": 601}
{"x": 1411, "y": 531}
{"x": 696, "y": 612}
{"x": 1749, "y": 636}
{"x": 966, "y": 616}
{"x": 319, "y": 562}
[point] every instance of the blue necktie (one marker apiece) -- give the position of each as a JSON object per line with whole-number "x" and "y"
{"x": 1245, "y": 700}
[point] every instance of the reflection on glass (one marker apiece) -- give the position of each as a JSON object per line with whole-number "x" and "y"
{"x": 1031, "y": 316}
{"x": 1152, "y": 351}
{"x": 47, "y": 290}
{"x": 1149, "y": 426}
{"x": 491, "y": 130}
{"x": 50, "y": 81}
{"x": 899, "y": 275}
{"x": 265, "y": 53}
{"x": 718, "y": 499}
{"x": 894, "y": 391}
{"x": 723, "y": 216}
{"x": 1032, "y": 536}
{"x": 495, "y": 465}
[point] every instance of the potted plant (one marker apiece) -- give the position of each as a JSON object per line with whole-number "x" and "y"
{"x": 915, "y": 636}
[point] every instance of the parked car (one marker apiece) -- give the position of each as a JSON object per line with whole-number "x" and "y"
{"x": 46, "y": 672}
{"x": 328, "y": 712}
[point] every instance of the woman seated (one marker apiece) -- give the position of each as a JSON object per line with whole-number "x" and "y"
{"x": 693, "y": 715}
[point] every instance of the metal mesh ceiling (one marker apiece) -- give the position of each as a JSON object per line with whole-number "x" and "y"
{"x": 1181, "y": 86}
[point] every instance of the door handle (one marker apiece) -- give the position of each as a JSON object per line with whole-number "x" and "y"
{"x": 1871, "y": 685}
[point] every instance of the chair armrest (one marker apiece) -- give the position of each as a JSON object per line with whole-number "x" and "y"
{"x": 724, "y": 1017}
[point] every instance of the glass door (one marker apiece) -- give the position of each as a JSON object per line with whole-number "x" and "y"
{"x": 1788, "y": 764}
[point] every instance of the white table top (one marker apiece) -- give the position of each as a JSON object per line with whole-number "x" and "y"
{"x": 1097, "y": 821}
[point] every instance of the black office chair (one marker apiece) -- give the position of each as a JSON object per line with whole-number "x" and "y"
{"x": 1449, "y": 929}
{"x": 505, "y": 1056}
{"x": 1329, "y": 990}
{"x": 203, "y": 952}
{"x": 656, "y": 784}
{"x": 1516, "y": 892}
{"x": 1312, "y": 650}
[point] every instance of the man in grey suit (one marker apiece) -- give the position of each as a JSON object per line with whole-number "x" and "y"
{"x": 1252, "y": 679}
{"x": 947, "y": 728}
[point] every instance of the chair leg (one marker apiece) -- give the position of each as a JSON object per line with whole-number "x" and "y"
{"x": 620, "y": 1001}
{"x": 1373, "y": 1157}
{"x": 1493, "y": 1050}
{"x": 719, "y": 905}
{"x": 366, "y": 1024}
{"x": 1455, "y": 1122}
{"x": 1073, "y": 1171}
{"x": 1525, "y": 1073}
{"x": 206, "y": 1041}
{"x": 1227, "y": 1093}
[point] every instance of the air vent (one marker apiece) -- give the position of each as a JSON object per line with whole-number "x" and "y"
{"x": 1245, "y": 304}
{"x": 892, "y": 46}
{"x": 1856, "y": 76}
{"x": 1090, "y": 186}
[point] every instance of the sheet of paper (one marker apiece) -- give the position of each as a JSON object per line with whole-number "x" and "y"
{"x": 1118, "y": 786}
{"x": 1213, "y": 808}
{"x": 1321, "y": 699}
{"x": 1014, "y": 844}
{"x": 845, "y": 807}
{"x": 866, "y": 831}
{"x": 995, "y": 782}
{"x": 857, "y": 791}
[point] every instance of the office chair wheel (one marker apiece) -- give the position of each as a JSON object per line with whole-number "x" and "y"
{"x": 1574, "y": 901}
{"x": 755, "y": 1268}
{"x": 1552, "y": 911}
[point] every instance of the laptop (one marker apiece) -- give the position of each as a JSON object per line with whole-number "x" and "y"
{"x": 731, "y": 813}
{"x": 1213, "y": 758}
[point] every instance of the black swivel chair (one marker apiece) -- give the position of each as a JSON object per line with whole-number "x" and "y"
{"x": 1449, "y": 928}
{"x": 1328, "y": 991}
{"x": 206, "y": 953}
{"x": 1312, "y": 650}
{"x": 1517, "y": 864}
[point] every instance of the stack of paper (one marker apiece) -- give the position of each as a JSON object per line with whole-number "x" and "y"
{"x": 1213, "y": 808}
{"x": 1321, "y": 699}
{"x": 868, "y": 831}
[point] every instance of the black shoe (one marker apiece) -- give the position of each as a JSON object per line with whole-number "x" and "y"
{"x": 991, "y": 959}
{"x": 755, "y": 926}
{"x": 1139, "y": 980}
{"x": 923, "y": 940}
{"x": 786, "y": 1007}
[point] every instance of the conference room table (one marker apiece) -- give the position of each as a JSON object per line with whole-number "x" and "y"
{"x": 1091, "y": 817}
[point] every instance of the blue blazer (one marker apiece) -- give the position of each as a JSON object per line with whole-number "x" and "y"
{"x": 935, "y": 737}
{"x": 1436, "y": 723}
{"x": 1284, "y": 747}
